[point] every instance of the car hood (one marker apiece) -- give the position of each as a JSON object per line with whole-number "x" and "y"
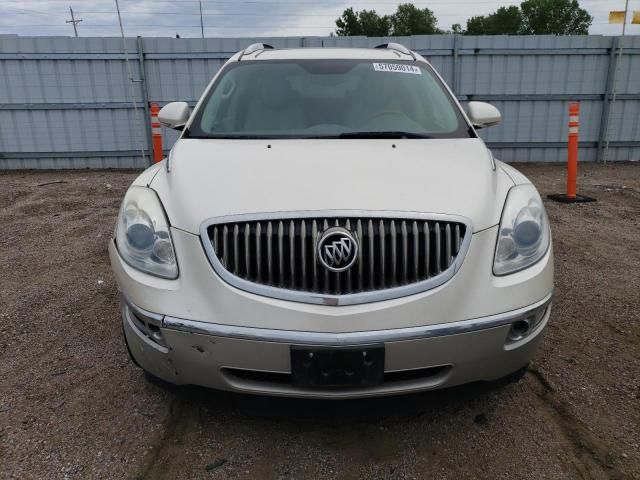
{"x": 212, "y": 178}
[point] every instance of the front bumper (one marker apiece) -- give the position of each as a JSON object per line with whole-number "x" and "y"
{"x": 215, "y": 335}
{"x": 257, "y": 360}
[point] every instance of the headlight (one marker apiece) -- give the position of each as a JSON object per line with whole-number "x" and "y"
{"x": 524, "y": 235}
{"x": 142, "y": 234}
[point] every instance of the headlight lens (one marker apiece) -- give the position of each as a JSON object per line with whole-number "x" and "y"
{"x": 524, "y": 235}
{"x": 142, "y": 234}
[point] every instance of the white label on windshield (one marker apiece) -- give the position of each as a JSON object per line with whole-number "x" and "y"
{"x": 397, "y": 67}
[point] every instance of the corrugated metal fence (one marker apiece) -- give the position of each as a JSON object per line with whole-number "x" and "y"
{"x": 68, "y": 102}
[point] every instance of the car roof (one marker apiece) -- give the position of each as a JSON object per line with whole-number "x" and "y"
{"x": 326, "y": 53}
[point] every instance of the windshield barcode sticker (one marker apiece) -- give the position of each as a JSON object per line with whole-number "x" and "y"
{"x": 397, "y": 67}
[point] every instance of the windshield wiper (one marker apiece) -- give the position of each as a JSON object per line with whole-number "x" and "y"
{"x": 383, "y": 134}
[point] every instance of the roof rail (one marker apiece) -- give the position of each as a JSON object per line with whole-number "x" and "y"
{"x": 255, "y": 47}
{"x": 397, "y": 47}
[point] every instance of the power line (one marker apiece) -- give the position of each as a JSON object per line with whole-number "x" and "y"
{"x": 302, "y": 2}
{"x": 288, "y": 21}
{"x": 157, "y": 25}
{"x": 154, "y": 25}
{"x": 260, "y": 14}
{"x": 232, "y": 14}
{"x": 353, "y": 3}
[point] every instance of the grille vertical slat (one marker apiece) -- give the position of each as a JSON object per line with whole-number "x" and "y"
{"x": 447, "y": 232}
{"x": 280, "y": 253}
{"x": 383, "y": 240}
{"x": 215, "y": 239}
{"x": 427, "y": 256}
{"x": 416, "y": 251}
{"x": 247, "y": 250}
{"x": 259, "y": 252}
{"x": 225, "y": 246}
{"x": 347, "y": 225}
{"x": 270, "y": 252}
{"x": 292, "y": 253}
{"x": 394, "y": 252}
{"x": 360, "y": 260}
{"x": 405, "y": 252}
{"x": 372, "y": 260}
{"x": 283, "y": 253}
{"x": 236, "y": 247}
{"x": 336, "y": 275}
{"x": 438, "y": 258}
{"x": 325, "y": 272}
{"x": 314, "y": 240}
{"x": 303, "y": 252}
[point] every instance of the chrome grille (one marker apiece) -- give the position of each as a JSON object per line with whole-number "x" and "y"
{"x": 281, "y": 254}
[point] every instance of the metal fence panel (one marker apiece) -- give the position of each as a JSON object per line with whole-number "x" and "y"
{"x": 69, "y": 103}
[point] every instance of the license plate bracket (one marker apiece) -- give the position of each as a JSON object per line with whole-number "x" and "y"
{"x": 337, "y": 367}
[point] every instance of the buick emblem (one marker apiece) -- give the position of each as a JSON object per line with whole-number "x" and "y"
{"x": 337, "y": 249}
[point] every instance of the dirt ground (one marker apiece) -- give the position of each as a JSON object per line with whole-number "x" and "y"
{"x": 72, "y": 405}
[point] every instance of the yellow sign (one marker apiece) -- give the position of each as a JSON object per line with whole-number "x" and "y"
{"x": 616, "y": 17}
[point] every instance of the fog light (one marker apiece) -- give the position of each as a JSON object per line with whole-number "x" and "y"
{"x": 519, "y": 330}
{"x": 526, "y": 325}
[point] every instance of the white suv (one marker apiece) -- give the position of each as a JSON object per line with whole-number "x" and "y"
{"x": 330, "y": 225}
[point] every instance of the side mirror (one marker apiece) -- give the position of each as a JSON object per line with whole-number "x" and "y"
{"x": 483, "y": 114}
{"x": 174, "y": 115}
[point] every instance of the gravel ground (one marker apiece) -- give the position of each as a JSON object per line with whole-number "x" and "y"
{"x": 72, "y": 405}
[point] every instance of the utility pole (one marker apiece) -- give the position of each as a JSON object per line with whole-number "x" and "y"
{"x": 615, "y": 74}
{"x": 129, "y": 72}
{"x": 74, "y": 22}
{"x": 201, "y": 22}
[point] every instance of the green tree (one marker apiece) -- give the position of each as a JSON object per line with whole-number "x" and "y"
{"x": 504, "y": 21}
{"x": 407, "y": 20}
{"x": 410, "y": 20}
{"x": 348, "y": 24}
{"x": 374, "y": 25}
{"x": 364, "y": 22}
{"x": 533, "y": 17}
{"x": 556, "y": 17}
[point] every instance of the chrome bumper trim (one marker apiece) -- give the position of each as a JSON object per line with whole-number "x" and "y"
{"x": 352, "y": 338}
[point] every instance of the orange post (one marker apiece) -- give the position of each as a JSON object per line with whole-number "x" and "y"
{"x": 156, "y": 133}
{"x": 572, "y": 157}
{"x": 572, "y": 161}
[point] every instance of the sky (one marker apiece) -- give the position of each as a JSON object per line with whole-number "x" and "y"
{"x": 244, "y": 18}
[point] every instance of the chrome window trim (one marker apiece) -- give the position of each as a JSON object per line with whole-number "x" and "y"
{"x": 355, "y": 338}
{"x": 335, "y": 300}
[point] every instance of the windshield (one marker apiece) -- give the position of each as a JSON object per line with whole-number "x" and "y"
{"x": 328, "y": 99}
